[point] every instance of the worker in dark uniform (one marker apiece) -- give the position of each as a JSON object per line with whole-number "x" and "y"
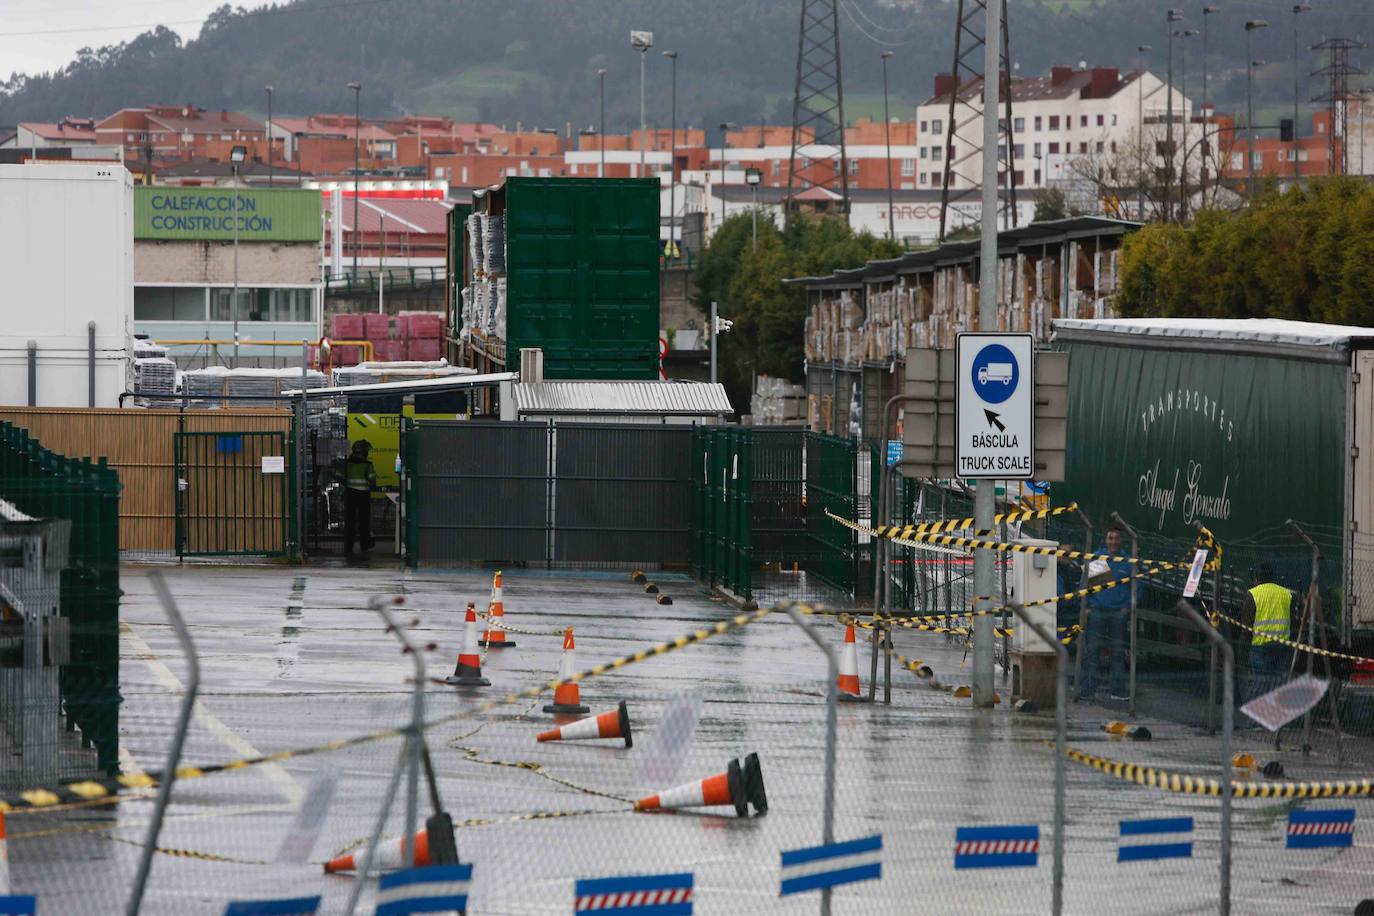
{"x": 1268, "y": 609}
{"x": 359, "y": 481}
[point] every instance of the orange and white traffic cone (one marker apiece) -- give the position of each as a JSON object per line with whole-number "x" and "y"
{"x": 494, "y": 637}
{"x": 729, "y": 788}
{"x": 390, "y": 855}
{"x": 468, "y": 671}
{"x": 612, "y": 724}
{"x": 848, "y": 681}
{"x": 567, "y": 698}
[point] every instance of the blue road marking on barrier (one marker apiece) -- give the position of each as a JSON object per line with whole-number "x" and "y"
{"x": 1156, "y": 838}
{"x": 1008, "y": 846}
{"x": 639, "y": 895}
{"x": 19, "y": 905}
{"x": 1321, "y": 829}
{"x": 814, "y": 868}
{"x": 430, "y": 889}
{"x": 297, "y": 906}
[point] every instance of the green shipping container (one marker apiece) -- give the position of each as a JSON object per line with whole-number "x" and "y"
{"x": 582, "y": 275}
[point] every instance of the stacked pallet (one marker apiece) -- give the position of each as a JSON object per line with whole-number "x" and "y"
{"x": 484, "y": 300}
{"x": 777, "y": 401}
{"x": 152, "y": 375}
{"x": 217, "y": 386}
{"x": 420, "y": 335}
{"x": 376, "y": 373}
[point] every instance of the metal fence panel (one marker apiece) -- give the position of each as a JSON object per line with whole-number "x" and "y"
{"x": 233, "y": 493}
{"x": 481, "y": 491}
{"x": 622, "y": 494}
{"x": 831, "y": 484}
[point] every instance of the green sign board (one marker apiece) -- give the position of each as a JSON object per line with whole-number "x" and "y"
{"x": 1169, "y": 438}
{"x": 210, "y": 214}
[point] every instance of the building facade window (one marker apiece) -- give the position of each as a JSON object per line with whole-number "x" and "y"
{"x": 1113, "y": 120}
{"x": 169, "y": 303}
{"x": 1099, "y": 121}
{"x": 908, "y": 168}
{"x": 924, "y": 176}
{"x": 1101, "y": 146}
{"x": 1054, "y": 148}
{"x": 1018, "y": 150}
{"x": 262, "y": 304}
{"x": 923, "y": 152}
{"x": 1054, "y": 122}
{"x": 937, "y": 126}
{"x": 935, "y": 153}
{"x": 853, "y": 167}
{"x": 1082, "y": 149}
{"x": 1083, "y": 120}
{"x": 923, "y": 127}
{"x": 1039, "y": 122}
{"x": 1018, "y": 124}
{"x": 1036, "y": 150}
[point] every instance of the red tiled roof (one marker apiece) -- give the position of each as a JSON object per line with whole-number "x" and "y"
{"x": 418, "y": 217}
{"x": 63, "y": 131}
{"x": 1036, "y": 88}
{"x": 202, "y": 122}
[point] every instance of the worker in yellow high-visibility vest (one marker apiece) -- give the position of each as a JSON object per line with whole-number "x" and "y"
{"x": 1268, "y": 609}
{"x": 360, "y": 479}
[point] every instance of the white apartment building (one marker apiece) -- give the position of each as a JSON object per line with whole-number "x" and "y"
{"x": 1061, "y": 124}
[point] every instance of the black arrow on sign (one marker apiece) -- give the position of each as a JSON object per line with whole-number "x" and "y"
{"x": 994, "y": 419}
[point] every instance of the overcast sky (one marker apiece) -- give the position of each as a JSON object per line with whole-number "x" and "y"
{"x": 40, "y": 35}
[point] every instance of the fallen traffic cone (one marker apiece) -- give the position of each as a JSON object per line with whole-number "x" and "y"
{"x": 567, "y": 697}
{"x": 1123, "y": 730}
{"x": 848, "y": 681}
{"x": 494, "y": 637}
{"x": 390, "y": 855}
{"x": 612, "y": 724}
{"x": 729, "y": 788}
{"x": 468, "y": 671}
{"x": 1243, "y": 760}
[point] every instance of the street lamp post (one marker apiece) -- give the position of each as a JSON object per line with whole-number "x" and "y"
{"x": 269, "y": 136}
{"x": 641, "y": 42}
{"x": 1173, "y": 16}
{"x": 357, "y": 167}
{"x": 724, "y": 126}
{"x": 1207, "y": 11}
{"x": 752, "y": 177}
{"x": 236, "y": 157}
{"x": 1140, "y": 51}
{"x": 887, "y": 132}
{"x": 1183, "y": 35}
{"x": 601, "y": 135}
{"x": 1250, "y": 26}
{"x": 672, "y": 162}
{"x": 1298, "y": 9}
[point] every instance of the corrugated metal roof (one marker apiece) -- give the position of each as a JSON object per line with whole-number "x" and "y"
{"x": 661, "y": 398}
{"x": 1262, "y": 336}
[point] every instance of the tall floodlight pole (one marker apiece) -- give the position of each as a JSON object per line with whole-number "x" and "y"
{"x": 1140, "y": 51}
{"x": 642, "y": 42}
{"x": 357, "y": 167}
{"x": 236, "y": 157}
{"x": 1173, "y": 16}
{"x": 268, "y": 89}
{"x": 1207, "y": 12}
{"x": 1183, "y": 35}
{"x": 1298, "y": 10}
{"x": 985, "y": 490}
{"x": 672, "y": 161}
{"x": 1250, "y": 26}
{"x": 887, "y": 132}
{"x": 601, "y": 133}
{"x": 724, "y": 126}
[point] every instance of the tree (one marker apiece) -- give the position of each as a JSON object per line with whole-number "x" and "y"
{"x": 768, "y": 315}
{"x": 1050, "y": 204}
{"x": 1306, "y": 254}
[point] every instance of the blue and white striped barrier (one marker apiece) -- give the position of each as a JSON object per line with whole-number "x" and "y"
{"x": 1321, "y": 829}
{"x": 431, "y": 889}
{"x": 1155, "y": 838}
{"x": 297, "y": 906}
{"x": 639, "y": 895}
{"x": 818, "y": 867}
{"x": 1008, "y": 846}
{"x": 18, "y": 905}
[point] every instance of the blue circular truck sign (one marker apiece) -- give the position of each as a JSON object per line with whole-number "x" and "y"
{"x": 995, "y": 374}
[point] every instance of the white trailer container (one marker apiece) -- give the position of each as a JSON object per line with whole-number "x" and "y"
{"x": 66, "y": 283}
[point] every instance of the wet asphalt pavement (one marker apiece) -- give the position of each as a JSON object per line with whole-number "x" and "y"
{"x": 292, "y": 658}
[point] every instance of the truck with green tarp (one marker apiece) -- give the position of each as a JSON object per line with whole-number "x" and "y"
{"x": 565, "y": 265}
{"x": 1240, "y": 425}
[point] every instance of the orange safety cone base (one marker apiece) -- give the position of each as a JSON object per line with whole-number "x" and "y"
{"x": 467, "y": 676}
{"x": 503, "y": 643}
{"x": 567, "y": 709}
{"x": 734, "y": 778}
{"x": 852, "y": 697}
{"x": 625, "y": 726}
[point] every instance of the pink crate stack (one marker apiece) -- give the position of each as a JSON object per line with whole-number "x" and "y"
{"x": 426, "y": 350}
{"x": 347, "y": 326}
{"x": 377, "y": 327}
{"x": 419, "y": 325}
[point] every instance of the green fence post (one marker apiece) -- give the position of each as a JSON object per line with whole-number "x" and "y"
{"x": 410, "y": 464}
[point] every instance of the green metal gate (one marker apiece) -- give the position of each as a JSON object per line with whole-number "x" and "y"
{"x": 722, "y": 478}
{"x": 832, "y": 484}
{"x": 235, "y": 494}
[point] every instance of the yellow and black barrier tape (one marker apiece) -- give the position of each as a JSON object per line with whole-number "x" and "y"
{"x": 1301, "y": 647}
{"x": 473, "y": 755}
{"x": 1188, "y": 784}
{"x": 965, "y": 524}
{"x": 975, "y": 543}
{"x": 505, "y": 625}
{"x": 91, "y": 789}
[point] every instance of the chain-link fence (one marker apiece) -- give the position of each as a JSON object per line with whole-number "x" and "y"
{"x": 295, "y": 667}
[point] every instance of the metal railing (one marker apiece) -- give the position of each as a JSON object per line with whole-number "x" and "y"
{"x": 392, "y": 278}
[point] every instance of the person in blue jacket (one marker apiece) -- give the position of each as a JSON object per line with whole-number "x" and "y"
{"x": 1108, "y": 622}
